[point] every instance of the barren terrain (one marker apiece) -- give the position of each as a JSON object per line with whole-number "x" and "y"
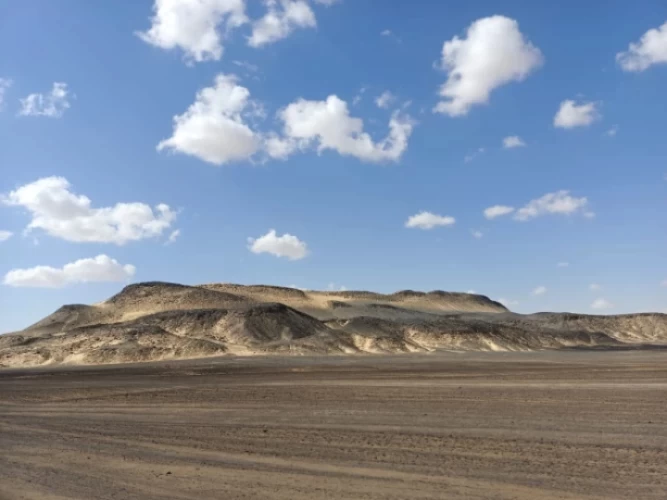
{"x": 162, "y": 321}
{"x": 543, "y": 425}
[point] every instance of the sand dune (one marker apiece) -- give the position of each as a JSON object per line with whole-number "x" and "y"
{"x": 155, "y": 321}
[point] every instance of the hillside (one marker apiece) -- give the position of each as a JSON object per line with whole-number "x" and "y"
{"x": 154, "y": 321}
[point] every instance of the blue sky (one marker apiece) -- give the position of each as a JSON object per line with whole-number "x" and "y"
{"x": 87, "y": 99}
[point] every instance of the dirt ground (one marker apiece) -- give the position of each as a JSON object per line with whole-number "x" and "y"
{"x": 567, "y": 425}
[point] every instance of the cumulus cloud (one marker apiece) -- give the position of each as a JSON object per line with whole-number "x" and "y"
{"x": 540, "y": 290}
{"x": 5, "y": 83}
{"x": 493, "y": 54}
{"x": 651, "y": 49}
{"x": 570, "y": 114}
{"x": 477, "y": 234}
{"x": 195, "y": 27}
{"x": 287, "y": 245}
{"x": 328, "y": 125}
{"x": 563, "y": 264}
{"x": 5, "y": 235}
{"x": 427, "y": 220}
{"x": 594, "y": 287}
{"x": 513, "y": 141}
{"x": 497, "y": 211}
{"x": 281, "y": 19}
{"x": 61, "y": 213}
{"x": 385, "y": 99}
{"x": 97, "y": 269}
{"x": 601, "y": 304}
{"x": 559, "y": 202}
{"x": 52, "y": 104}
{"x": 214, "y": 127}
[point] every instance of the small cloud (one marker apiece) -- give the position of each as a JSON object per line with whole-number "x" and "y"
{"x": 98, "y": 269}
{"x": 332, "y": 287}
{"x": 5, "y": 235}
{"x": 594, "y": 287}
{"x": 612, "y": 131}
{"x": 601, "y": 304}
{"x": 427, "y": 220}
{"x": 477, "y": 234}
{"x": 470, "y": 157}
{"x": 52, "y": 105}
{"x": 540, "y": 290}
{"x": 563, "y": 264}
{"x": 493, "y": 53}
{"x": 508, "y": 302}
{"x": 473, "y": 292}
{"x": 385, "y": 100}
{"x": 252, "y": 68}
{"x": 663, "y": 283}
{"x": 497, "y": 211}
{"x": 559, "y": 202}
{"x": 513, "y": 141}
{"x": 571, "y": 115}
{"x": 390, "y": 34}
{"x": 173, "y": 236}
{"x": 287, "y": 245}
{"x": 649, "y": 50}
{"x": 5, "y": 83}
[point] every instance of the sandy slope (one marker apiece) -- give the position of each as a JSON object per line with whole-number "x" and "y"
{"x": 152, "y": 321}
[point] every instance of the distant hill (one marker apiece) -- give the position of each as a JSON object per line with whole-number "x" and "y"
{"x": 155, "y": 320}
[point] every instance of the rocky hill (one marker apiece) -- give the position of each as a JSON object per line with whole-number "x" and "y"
{"x": 154, "y": 321}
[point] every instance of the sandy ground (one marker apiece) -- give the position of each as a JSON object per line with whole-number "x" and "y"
{"x": 567, "y": 425}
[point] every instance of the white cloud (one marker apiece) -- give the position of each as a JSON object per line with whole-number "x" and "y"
{"x": 335, "y": 288}
{"x": 281, "y": 19}
{"x": 214, "y": 127}
{"x": 508, "y": 302}
{"x": 52, "y": 104}
{"x": 286, "y": 245}
{"x": 559, "y": 202}
{"x": 540, "y": 290}
{"x": 612, "y": 131}
{"x": 5, "y": 83}
{"x": 563, "y": 264}
{"x": 470, "y": 157}
{"x": 513, "y": 141}
{"x": 386, "y": 33}
{"x": 385, "y": 99}
{"x": 570, "y": 114}
{"x": 5, "y": 235}
{"x": 252, "y": 68}
{"x": 173, "y": 236}
{"x": 427, "y": 220}
{"x": 477, "y": 234}
{"x": 594, "y": 287}
{"x": 651, "y": 49}
{"x": 497, "y": 211}
{"x": 493, "y": 54}
{"x": 97, "y": 269}
{"x": 357, "y": 98}
{"x": 194, "y": 26}
{"x": 471, "y": 291}
{"x": 63, "y": 214}
{"x": 328, "y": 125}
{"x": 601, "y": 304}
